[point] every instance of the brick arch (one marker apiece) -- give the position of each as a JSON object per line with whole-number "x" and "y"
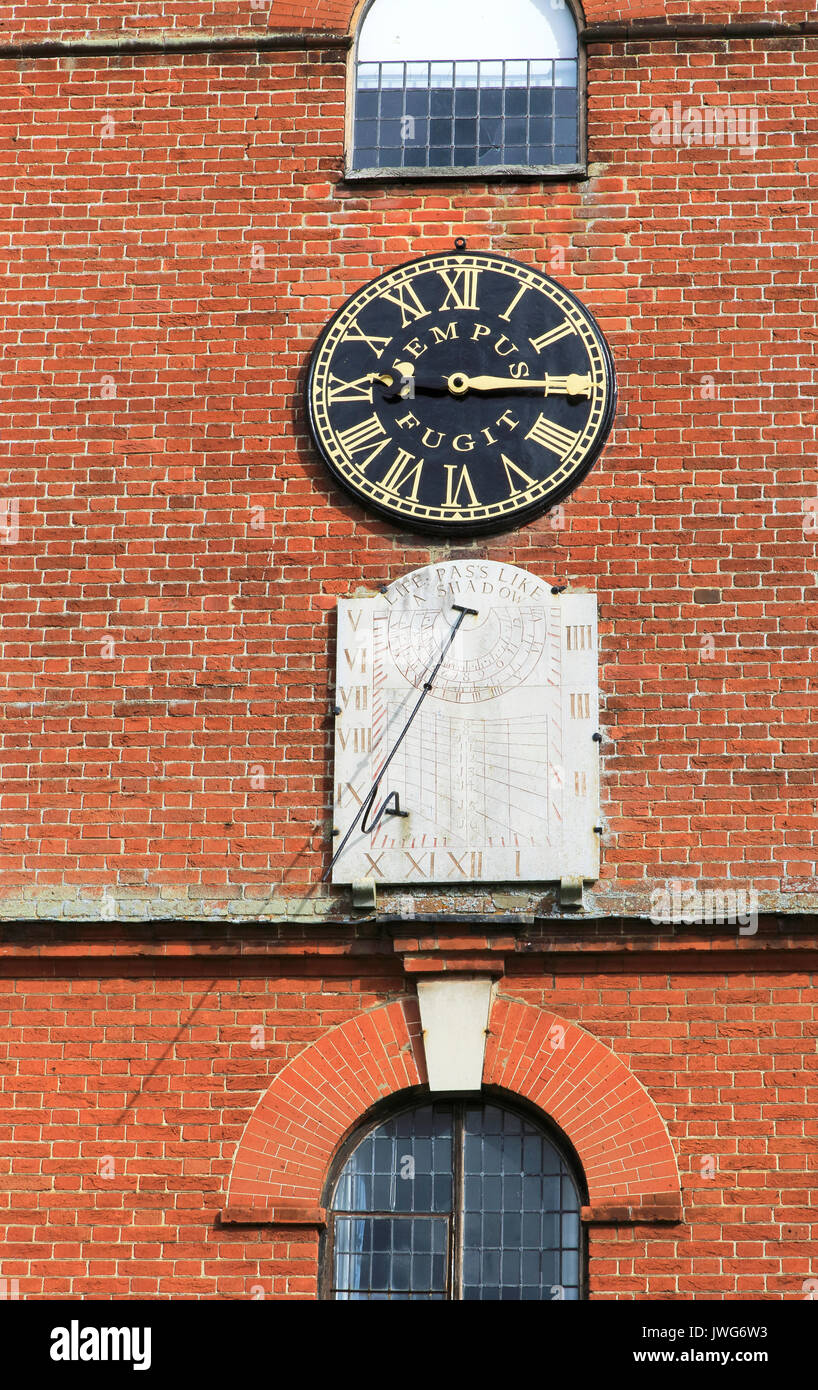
{"x": 332, "y": 15}
{"x": 282, "y": 1160}
{"x": 293, "y": 1134}
{"x": 343, "y": 16}
{"x": 617, "y": 1130}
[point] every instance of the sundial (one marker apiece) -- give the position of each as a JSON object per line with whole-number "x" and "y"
{"x": 466, "y": 707}
{"x": 496, "y": 652}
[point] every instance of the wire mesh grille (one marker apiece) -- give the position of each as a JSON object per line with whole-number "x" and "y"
{"x": 465, "y": 115}
{"x": 456, "y": 1201}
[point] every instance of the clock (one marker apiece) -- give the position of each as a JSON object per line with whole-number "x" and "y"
{"x": 461, "y": 393}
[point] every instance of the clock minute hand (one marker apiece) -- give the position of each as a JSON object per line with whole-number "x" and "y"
{"x": 572, "y": 385}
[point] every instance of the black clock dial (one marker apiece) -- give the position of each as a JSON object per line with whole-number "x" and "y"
{"x": 461, "y": 393}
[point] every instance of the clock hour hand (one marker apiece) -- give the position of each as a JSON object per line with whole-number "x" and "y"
{"x": 400, "y": 383}
{"x": 573, "y": 385}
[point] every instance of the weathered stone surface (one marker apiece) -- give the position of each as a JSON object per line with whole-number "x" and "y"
{"x": 498, "y": 773}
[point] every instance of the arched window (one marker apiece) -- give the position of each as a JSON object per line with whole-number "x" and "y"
{"x": 454, "y": 1200}
{"x": 454, "y": 86}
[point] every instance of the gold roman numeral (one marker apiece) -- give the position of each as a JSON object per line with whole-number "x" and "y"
{"x": 562, "y": 330}
{"x": 513, "y": 305}
{"x": 464, "y": 481}
{"x": 510, "y": 468}
{"x": 355, "y": 334}
{"x": 359, "y": 437}
{"x": 358, "y": 390}
{"x": 402, "y": 474}
{"x": 407, "y": 301}
{"x": 462, "y": 287}
{"x": 560, "y": 441}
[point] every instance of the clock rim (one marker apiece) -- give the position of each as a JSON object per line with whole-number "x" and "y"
{"x": 493, "y": 525}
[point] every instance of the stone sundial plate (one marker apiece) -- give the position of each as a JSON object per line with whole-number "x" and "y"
{"x": 498, "y": 770}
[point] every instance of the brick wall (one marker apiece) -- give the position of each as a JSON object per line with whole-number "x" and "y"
{"x": 38, "y": 19}
{"x": 176, "y": 234}
{"x": 134, "y": 1081}
{"x": 727, "y": 1054}
{"x": 176, "y": 231}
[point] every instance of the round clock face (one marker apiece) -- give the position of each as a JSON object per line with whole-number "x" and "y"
{"x": 461, "y": 393}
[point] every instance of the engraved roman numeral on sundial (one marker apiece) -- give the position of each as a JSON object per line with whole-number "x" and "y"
{"x": 361, "y": 737}
{"x": 340, "y": 390}
{"x": 354, "y": 656}
{"x": 551, "y": 436}
{"x": 346, "y": 788}
{"x": 553, "y": 335}
{"x": 578, "y": 637}
{"x": 417, "y": 864}
{"x": 462, "y": 287}
{"x": 403, "y": 474}
{"x": 469, "y": 864}
{"x": 359, "y": 437}
{"x": 356, "y": 696}
{"x": 355, "y": 334}
{"x": 406, "y": 298}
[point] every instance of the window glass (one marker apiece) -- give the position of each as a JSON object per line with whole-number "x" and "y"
{"x": 454, "y": 1200}
{"x": 449, "y": 84}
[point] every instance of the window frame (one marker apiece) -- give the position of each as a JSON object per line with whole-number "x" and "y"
{"x": 489, "y": 173}
{"x": 411, "y": 1100}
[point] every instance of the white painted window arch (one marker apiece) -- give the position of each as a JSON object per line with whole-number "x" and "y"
{"x": 444, "y": 86}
